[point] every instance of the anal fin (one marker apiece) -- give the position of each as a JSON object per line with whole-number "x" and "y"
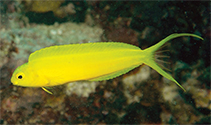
{"x": 113, "y": 75}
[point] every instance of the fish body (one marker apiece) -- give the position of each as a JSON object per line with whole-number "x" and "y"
{"x": 67, "y": 63}
{"x": 58, "y": 65}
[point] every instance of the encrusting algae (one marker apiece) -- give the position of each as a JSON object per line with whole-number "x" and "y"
{"x": 52, "y": 66}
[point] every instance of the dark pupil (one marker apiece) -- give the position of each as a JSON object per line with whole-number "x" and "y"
{"x": 20, "y": 77}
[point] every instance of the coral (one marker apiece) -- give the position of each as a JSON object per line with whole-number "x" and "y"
{"x": 132, "y": 82}
{"x": 81, "y": 88}
{"x": 65, "y": 11}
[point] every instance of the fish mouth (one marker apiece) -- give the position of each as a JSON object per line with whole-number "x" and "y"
{"x": 13, "y": 82}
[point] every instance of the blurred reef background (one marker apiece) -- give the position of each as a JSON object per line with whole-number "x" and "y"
{"x": 141, "y": 96}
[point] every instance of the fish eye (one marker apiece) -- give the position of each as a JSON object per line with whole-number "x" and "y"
{"x": 20, "y": 76}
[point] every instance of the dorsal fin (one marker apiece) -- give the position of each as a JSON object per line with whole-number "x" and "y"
{"x": 79, "y": 49}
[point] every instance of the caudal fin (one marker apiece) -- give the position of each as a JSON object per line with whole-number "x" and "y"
{"x": 150, "y": 55}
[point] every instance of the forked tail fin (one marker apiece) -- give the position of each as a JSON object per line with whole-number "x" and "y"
{"x": 150, "y": 55}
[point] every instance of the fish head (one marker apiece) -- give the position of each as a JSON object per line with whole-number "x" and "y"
{"x": 24, "y": 76}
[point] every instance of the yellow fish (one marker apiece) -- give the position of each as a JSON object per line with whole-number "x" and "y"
{"x": 56, "y": 65}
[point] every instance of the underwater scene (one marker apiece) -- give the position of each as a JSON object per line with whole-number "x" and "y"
{"x": 105, "y": 62}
